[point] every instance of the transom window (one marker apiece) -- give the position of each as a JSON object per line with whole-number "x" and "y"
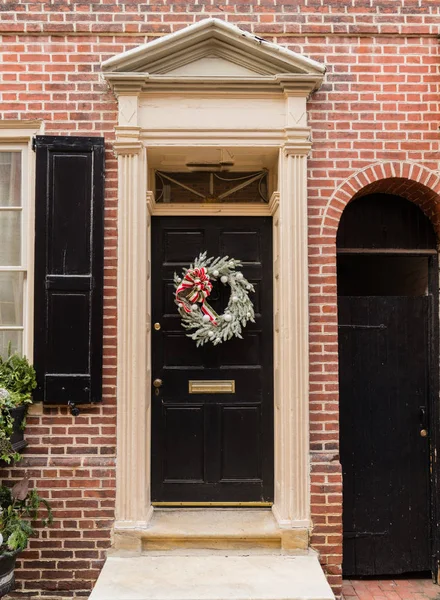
{"x": 12, "y": 251}
{"x": 211, "y": 186}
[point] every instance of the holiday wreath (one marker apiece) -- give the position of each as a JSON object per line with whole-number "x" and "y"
{"x": 195, "y": 286}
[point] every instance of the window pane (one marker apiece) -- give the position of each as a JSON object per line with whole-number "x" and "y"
{"x": 10, "y": 238}
{"x": 10, "y": 178}
{"x": 11, "y": 298}
{"x": 205, "y": 187}
{"x": 12, "y": 339}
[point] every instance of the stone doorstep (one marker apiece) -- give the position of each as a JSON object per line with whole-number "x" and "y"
{"x": 37, "y": 596}
{"x": 212, "y": 577}
{"x": 213, "y": 529}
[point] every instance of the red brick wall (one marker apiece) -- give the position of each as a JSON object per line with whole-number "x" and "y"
{"x": 379, "y": 103}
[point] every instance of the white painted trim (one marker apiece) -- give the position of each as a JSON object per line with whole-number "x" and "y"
{"x": 270, "y": 67}
{"x": 157, "y": 52}
{"x": 289, "y": 208}
{"x": 292, "y": 479}
{"x": 18, "y": 135}
{"x": 270, "y": 138}
{"x": 133, "y": 385}
{"x": 302, "y": 85}
{"x": 215, "y": 209}
{"x": 141, "y": 126}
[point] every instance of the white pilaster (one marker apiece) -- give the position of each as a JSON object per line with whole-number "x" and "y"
{"x": 292, "y": 504}
{"x": 133, "y": 450}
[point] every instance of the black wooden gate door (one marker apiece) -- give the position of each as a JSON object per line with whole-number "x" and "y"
{"x": 212, "y": 447}
{"x": 384, "y": 399}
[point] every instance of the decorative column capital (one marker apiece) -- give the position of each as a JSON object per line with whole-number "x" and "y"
{"x": 297, "y": 141}
{"x": 127, "y": 141}
{"x": 297, "y": 149}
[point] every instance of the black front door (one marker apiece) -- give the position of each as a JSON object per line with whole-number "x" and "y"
{"x": 212, "y": 447}
{"x": 384, "y": 401}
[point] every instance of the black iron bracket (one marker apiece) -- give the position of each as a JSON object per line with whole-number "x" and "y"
{"x": 74, "y": 410}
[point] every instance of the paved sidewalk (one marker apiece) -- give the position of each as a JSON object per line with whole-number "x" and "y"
{"x": 390, "y": 589}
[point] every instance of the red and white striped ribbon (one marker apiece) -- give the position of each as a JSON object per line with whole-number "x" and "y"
{"x": 195, "y": 287}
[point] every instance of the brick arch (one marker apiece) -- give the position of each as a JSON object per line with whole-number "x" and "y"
{"x": 405, "y": 179}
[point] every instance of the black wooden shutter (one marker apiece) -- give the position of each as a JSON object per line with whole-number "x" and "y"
{"x": 69, "y": 224}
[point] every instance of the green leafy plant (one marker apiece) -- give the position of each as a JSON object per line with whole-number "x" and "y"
{"x": 7, "y": 452}
{"x": 17, "y": 380}
{"x": 19, "y": 507}
{"x": 18, "y": 377}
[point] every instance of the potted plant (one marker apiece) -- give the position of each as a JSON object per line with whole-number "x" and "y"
{"x": 19, "y": 507}
{"x": 17, "y": 380}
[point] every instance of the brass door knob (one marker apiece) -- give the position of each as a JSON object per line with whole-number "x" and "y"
{"x": 157, "y": 383}
{"x": 424, "y": 432}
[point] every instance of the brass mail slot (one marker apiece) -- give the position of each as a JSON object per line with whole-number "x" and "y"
{"x": 212, "y": 386}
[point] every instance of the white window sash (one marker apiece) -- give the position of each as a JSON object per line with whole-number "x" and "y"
{"x": 17, "y": 136}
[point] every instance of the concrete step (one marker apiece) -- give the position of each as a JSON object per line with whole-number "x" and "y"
{"x": 212, "y": 577}
{"x": 212, "y": 529}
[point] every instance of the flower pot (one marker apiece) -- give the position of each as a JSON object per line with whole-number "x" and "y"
{"x": 7, "y": 578}
{"x": 17, "y": 437}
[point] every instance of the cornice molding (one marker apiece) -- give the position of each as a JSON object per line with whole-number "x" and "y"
{"x": 157, "y": 65}
{"x": 135, "y": 83}
{"x": 17, "y": 124}
{"x": 212, "y": 37}
{"x": 16, "y": 131}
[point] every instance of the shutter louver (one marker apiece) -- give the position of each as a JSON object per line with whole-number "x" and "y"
{"x": 69, "y": 243}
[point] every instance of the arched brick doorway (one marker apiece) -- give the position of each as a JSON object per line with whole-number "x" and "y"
{"x": 388, "y": 376}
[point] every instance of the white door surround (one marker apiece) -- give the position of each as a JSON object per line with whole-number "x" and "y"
{"x": 213, "y": 86}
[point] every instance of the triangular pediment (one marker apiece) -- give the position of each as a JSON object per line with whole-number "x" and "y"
{"x": 212, "y": 48}
{"x": 207, "y": 65}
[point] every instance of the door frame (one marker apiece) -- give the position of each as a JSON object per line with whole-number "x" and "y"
{"x": 288, "y": 208}
{"x": 434, "y": 388}
{"x": 263, "y": 111}
{"x": 434, "y": 412}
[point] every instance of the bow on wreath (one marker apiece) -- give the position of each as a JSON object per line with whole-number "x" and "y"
{"x": 195, "y": 287}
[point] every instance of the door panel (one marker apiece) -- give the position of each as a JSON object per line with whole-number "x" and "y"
{"x": 184, "y": 427}
{"x": 384, "y": 382}
{"x": 212, "y": 447}
{"x": 240, "y": 441}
